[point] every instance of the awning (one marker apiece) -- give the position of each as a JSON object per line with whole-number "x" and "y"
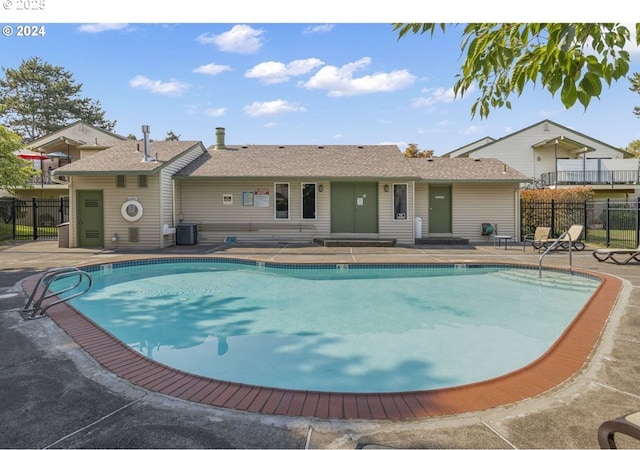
{"x": 572, "y": 146}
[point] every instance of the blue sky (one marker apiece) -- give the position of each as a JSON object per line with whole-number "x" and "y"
{"x": 296, "y": 83}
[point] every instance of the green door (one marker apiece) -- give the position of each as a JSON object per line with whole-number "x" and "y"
{"x": 90, "y": 219}
{"x": 439, "y": 209}
{"x": 354, "y": 207}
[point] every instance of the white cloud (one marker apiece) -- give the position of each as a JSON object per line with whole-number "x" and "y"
{"x": 100, "y": 27}
{"x": 272, "y": 72}
{"x": 271, "y": 108}
{"x": 340, "y": 81}
{"x": 318, "y": 28}
{"x": 473, "y": 129}
{"x": 215, "y": 112}
{"x": 438, "y": 95}
{"x": 239, "y": 39}
{"x": 211, "y": 69}
{"x": 170, "y": 88}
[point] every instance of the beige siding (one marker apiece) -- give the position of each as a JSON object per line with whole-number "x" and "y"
{"x": 389, "y": 227}
{"x": 113, "y": 198}
{"x": 167, "y": 213}
{"x": 516, "y": 150}
{"x": 201, "y": 202}
{"x": 422, "y": 206}
{"x": 474, "y": 204}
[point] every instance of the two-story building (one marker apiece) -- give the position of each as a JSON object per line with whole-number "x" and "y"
{"x": 555, "y": 156}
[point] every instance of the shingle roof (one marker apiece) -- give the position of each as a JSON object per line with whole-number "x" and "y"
{"x": 127, "y": 156}
{"x": 335, "y": 161}
{"x": 465, "y": 169}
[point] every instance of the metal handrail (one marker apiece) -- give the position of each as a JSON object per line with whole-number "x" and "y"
{"x": 42, "y": 286}
{"x": 558, "y": 242}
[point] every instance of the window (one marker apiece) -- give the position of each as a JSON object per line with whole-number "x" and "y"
{"x": 400, "y": 202}
{"x": 121, "y": 181}
{"x": 308, "y": 200}
{"x": 282, "y": 200}
{"x": 142, "y": 181}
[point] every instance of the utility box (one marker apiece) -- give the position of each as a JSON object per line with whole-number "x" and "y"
{"x": 186, "y": 234}
{"x": 418, "y": 225}
{"x": 63, "y": 235}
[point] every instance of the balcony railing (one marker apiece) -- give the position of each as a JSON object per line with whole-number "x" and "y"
{"x": 46, "y": 180}
{"x": 591, "y": 177}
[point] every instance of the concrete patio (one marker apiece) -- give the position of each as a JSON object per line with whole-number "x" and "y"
{"x": 54, "y": 395}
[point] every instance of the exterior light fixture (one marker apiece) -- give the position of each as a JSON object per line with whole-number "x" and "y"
{"x": 320, "y": 188}
{"x": 386, "y": 188}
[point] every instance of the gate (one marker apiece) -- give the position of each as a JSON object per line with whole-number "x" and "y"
{"x": 32, "y": 219}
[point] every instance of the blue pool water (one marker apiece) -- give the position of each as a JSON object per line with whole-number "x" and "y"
{"x": 335, "y": 327}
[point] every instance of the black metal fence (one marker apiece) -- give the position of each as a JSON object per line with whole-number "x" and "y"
{"x": 609, "y": 223}
{"x": 32, "y": 219}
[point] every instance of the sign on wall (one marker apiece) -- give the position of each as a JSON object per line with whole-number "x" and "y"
{"x": 261, "y": 197}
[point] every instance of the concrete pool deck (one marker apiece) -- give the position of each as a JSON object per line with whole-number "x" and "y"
{"x": 55, "y": 395}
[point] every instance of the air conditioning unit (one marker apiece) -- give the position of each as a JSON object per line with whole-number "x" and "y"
{"x": 186, "y": 234}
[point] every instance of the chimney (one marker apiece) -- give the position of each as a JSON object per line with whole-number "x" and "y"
{"x": 220, "y": 139}
{"x": 145, "y": 139}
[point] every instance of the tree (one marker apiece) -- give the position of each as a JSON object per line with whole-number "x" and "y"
{"x": 39, "y": 98}
{"x": 171, "y": 136}
{"x": 132, "y": 137}
{"x": 14, "y": 171}
{"x": 634, "y": 147}
{"x": 502, "y": 58}
{"x": 413, "y": 151}
{"x": 635, "y": 87}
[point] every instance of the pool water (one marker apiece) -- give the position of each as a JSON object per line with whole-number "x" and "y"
{"x": 334, "y": 327}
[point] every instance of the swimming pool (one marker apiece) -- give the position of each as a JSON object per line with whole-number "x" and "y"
{"x": 354, "y": 328}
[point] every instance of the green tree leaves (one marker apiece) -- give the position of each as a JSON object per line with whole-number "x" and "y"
{"x": 501, "y": 59}
{"x": 38, "y": 98}
{"x": 14, "y": 172}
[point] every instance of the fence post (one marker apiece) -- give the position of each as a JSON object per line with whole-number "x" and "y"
{"x": 637, "y": 222}
{"x": 61, "y": 210}
{"x": 14, "y": 213}
{"x": 34, "y": 217}
{"x": 586, "y": 228}
{"x": 607, "y": 232}
{"x": 553, "y": 217}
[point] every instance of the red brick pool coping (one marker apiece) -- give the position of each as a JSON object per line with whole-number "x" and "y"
{"x": 568, "y": 355}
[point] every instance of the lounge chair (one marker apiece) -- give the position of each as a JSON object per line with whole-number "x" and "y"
{"x": 573, "y": 239}
{"x": 540, "y": 235}
{"x": 629, "y": 425}
{"x": 617, "y": 255}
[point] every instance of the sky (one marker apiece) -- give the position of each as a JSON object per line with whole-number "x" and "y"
{"x": 311, "y": 76}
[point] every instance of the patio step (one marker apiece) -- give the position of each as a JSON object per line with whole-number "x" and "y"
{"x": 335, "y": 242}
{"x": 442, "y": 241}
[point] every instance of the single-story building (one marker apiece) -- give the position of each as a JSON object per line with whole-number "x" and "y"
{"x": 154, "y": 194}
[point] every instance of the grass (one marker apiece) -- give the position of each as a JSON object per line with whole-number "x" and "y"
{"x": 617, "y": 238}
{"x": 6, "y": 231}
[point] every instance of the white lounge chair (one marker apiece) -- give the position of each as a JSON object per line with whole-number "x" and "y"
{"x": 573, "y": 239}
{"x": 617, "y": 255}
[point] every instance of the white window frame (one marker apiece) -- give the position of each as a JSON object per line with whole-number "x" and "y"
{"x": 275, "y": 200}
{"x": 393, "y": 201}
{"x": 315, "y": 201}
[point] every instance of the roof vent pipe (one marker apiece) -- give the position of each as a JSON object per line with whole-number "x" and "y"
{"x": 145, "y": 139}
{"x": 220, "y": 139}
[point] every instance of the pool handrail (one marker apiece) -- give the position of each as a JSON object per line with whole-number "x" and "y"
{"x": 558, "y": 242}
{"x": 47, "y": 278}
